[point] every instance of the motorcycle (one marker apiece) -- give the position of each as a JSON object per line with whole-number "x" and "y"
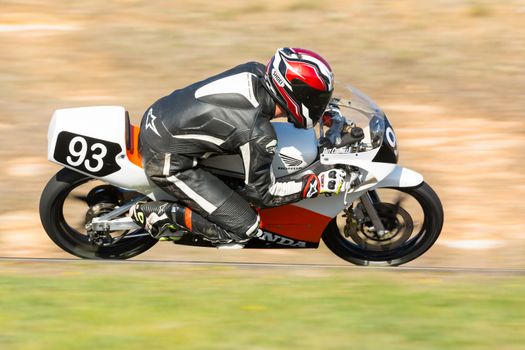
{"x": 385, "y": 215}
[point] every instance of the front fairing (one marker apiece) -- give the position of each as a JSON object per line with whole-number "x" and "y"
{"x": 361, "y": 111}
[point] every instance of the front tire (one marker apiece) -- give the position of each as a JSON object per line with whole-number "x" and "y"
{"x": 52, "y": 203}
{"x": 361, "y": 254}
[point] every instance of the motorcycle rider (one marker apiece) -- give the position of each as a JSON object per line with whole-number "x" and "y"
{"x": 230, "y": 113}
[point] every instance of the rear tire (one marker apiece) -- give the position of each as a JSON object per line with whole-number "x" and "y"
{"x": 72, "y": 241}
{"x": 414, "y": 247}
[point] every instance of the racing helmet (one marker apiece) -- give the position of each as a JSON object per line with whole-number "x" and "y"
{"x": 302, "y": 83}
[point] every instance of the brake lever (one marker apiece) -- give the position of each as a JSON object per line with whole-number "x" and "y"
{"x": 351, "y": 185}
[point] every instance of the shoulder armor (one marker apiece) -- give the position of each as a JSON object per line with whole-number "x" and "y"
{"x": 236, "y": 91}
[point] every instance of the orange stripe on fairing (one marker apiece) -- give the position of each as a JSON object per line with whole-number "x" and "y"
{"x": 294, "y": 222}
{"x": 133, "y": 153}
{"x": 187, "y": 219}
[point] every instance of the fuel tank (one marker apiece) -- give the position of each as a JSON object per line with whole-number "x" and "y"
{"x": 296, "y": 149}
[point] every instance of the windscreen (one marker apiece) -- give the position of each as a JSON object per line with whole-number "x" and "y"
{"x": 361, "y": 110}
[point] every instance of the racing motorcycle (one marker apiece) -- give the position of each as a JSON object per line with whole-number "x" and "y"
{"x": 385, "y": 215}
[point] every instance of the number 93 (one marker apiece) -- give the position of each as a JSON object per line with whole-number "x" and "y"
{"x": 78, "y": 150}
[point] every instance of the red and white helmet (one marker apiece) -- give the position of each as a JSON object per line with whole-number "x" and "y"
{"x": 302, "y": 83}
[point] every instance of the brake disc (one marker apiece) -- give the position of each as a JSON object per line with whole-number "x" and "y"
{"x": 398, "y": 225}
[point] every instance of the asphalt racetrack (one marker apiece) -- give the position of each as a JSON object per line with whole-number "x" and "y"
{"x": 486, "y": 271}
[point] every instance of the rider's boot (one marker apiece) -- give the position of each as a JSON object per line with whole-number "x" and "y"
{"x": 161, "y": 218}
{"x": 155, "y": 217}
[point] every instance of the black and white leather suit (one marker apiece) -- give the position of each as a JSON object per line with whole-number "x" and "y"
{"x": 226, "y": 114}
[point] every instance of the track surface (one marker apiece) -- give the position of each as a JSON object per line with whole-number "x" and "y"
{"x": 273, "y": 265}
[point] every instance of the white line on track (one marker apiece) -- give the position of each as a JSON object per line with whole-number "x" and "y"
{"x": 273, "y": 265}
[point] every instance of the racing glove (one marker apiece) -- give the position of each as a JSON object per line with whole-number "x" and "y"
{"x": 328, "y": 182}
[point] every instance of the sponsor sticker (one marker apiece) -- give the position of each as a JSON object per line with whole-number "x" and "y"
{"x": 272, "y": 237}
{"x": 277, "y": 77}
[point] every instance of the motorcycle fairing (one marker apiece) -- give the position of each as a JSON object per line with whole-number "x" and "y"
{"x": 93, "y": 131}
{"x": 298, "y": 225}
{"x": 295, "y": 222}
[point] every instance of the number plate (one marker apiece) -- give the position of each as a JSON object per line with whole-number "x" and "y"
{"x": 87, "y": 154}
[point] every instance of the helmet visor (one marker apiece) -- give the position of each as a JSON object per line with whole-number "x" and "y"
{"x": 313, "y": 99}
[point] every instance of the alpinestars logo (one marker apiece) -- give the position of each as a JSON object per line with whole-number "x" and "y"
{"x": 312, "y": 190}
{"x": 138, "y": 216}
{"x": 150, "y": 122}
{"x": 290, "y": 162}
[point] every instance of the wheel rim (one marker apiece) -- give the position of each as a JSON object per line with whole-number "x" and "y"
{"x": 75, "y": 211}
{"x": 403, "y": 215}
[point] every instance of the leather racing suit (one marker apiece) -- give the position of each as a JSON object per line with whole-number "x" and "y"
{"x": 228, "y": 113}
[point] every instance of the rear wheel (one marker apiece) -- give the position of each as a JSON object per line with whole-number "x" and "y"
{"x": 70, "y": 200}
{"x": 412, "y": 219}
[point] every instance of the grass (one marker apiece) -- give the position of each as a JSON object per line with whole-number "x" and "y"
{"x": 92, "y": 305}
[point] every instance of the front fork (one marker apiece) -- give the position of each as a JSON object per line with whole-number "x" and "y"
{"x": 368, "y": 199}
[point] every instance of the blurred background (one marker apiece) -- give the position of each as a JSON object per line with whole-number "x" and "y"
{"x": 450, "y": 75}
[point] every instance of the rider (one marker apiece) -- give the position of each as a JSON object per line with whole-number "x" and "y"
{"x": 230, "y": 113}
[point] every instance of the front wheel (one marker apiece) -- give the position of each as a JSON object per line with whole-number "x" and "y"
{"x": 412, "y": 218}
{"x": 70, "y": 200}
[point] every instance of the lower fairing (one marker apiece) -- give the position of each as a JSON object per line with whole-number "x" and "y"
{"x": 268, "y": 240}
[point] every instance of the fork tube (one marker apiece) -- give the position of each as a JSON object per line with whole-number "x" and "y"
{"x": 374, "y": 196}
{"x": 372, "y": 213}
